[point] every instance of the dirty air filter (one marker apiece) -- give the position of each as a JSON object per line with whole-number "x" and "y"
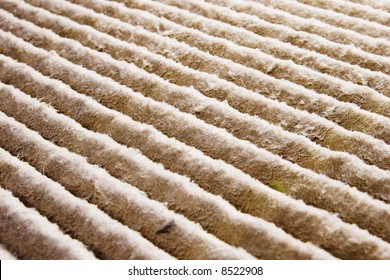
{"x": 191, "y": 129}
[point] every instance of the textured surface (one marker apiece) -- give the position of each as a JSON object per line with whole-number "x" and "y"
{"x": 218, "y": 129}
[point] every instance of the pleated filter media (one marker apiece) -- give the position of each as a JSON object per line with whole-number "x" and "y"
{"x": 191, "y": 129}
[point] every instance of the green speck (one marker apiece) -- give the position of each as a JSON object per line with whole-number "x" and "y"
{"x": 277, "y": 186}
